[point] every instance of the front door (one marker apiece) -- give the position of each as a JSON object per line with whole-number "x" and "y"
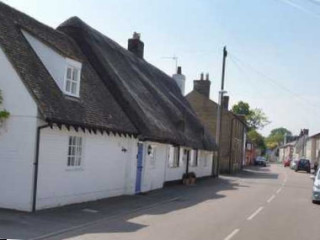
{"x": 139, "y": 168}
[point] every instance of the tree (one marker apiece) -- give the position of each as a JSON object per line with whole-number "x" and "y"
{"x": 256, "y": 118}
{"x": 257, "y": 139}
{"x": 276, "y": 137}
{"x": 241, "y": 108}
{"x": 4, "y": 114}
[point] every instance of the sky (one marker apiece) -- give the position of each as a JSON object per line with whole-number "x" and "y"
{"x": 273, "y": 46}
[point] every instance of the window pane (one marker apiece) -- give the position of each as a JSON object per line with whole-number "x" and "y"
{"x": 75, "y": 75}
{"x": 74, "y": 88}
{"x": 69, "y": 151}
{"x": 69, "y": 73}
{"x": 68, "y": 86}
{"x": 74, "y": 151}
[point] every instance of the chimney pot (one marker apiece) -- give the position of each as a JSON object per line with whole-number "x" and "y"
{"x": 135, "y": 45}
{"x": 207, "y": 76}
{"x": 202, "y": 87}
{"x": 179, "y": 70}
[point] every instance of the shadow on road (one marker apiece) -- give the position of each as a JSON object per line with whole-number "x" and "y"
{"x": 257, "y": 172}
{"x": 20, "y": 225}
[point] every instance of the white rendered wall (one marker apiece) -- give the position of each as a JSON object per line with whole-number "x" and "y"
{"x": 175, "y": 173}
{"x": 308, "y": 149}
{"x": 203, "y": 169}
{"x": 106, "y": 170}
{"x": 153, "y": 173}
{"x": 17, "y": 140}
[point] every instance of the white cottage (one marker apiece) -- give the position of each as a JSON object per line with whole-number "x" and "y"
{"x": 88, "y": 118}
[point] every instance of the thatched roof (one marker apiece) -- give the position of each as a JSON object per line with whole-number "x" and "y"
{"x": 150, "y": 98}
{"x": 95, "y": 109}
{"x": 119, "y": 91}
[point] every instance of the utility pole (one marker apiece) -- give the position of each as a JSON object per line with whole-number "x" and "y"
{"x": 220, "y": 110}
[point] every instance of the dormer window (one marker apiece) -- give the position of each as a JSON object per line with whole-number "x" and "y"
{"x": 72, "y": 78}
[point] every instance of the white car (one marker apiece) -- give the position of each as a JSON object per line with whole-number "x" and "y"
{"x": 316, "y": 188}
{"x": 293, "y": 164}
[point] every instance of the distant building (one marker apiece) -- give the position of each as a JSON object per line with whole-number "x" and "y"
{"x": 313, "y": 148}
{"x": 250, "y": 153}
{"x": 232, "y": 143}
{"x": 300, "y": 146}
{"x": 286, "y": 152}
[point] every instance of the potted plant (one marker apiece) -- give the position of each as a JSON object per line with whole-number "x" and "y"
{"x": 185, "y": 179}
{"x": 192, "y": 177}
{"x": 189, "y": 178}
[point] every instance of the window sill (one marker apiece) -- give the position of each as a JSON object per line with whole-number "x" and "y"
{"x": 74, "y": 169}
{"x": 71, "y": 97}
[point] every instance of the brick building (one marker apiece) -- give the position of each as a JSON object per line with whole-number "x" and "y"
{"x": 233, "y": 126}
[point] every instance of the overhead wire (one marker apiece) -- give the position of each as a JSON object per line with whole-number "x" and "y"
{"x": 240, "y": 63}
{"x": 299, "y": 7}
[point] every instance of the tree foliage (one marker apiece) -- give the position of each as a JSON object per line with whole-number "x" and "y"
{"x": 241, "y": 108}
{"x": 257, "y": 139}
{"x": 276, "y": 137}
{"x": 256, "y": 118}
{"x": 4, "y": 114}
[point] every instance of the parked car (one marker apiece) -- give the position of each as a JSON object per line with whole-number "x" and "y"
{"x": 293, "y": 164}
{"x": 304, "y": 165}
{"x": 286, "y": 162}
{"x": 316, "y": 188}
{"x": 261, "y": 161}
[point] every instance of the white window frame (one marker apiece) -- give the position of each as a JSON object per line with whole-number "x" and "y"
{"x": 174, "y": 160}
{"x": 75, "y": 67}
{"x": 75, "y": 152}
{"x": 195, "y": 158}
{"x": 153, "y": 155}
{"x": 186, "y": 152}
{"x": 204, "y": 158}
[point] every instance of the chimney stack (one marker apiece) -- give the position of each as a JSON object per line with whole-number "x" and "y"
{"x": 180, "y": 79}
{"x": 225, "y": 102}
{"x": 135, "y": 45}
{"x": 202, "y": 86}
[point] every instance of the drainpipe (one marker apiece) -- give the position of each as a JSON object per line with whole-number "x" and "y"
{"x": 230, "y": 146}
{"x": 36, "y": 168}
{"x": 188, "y": 159}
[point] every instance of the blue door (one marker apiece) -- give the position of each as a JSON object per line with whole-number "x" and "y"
{"x": 139, "y": 168}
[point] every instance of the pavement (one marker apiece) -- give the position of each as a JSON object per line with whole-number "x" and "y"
{"x": 259, "y": 203}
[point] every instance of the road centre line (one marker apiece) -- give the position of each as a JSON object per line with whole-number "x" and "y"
{"x": 279, "y": 190}
{"x": 232, "y": 234}
{"x": 271, "y": 198}
{"x": 255, "y": 213}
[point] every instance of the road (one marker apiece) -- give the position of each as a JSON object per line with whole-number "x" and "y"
{"x": 259, "y": 204}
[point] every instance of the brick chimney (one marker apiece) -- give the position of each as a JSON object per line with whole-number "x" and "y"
{"x": 135, "y": 45}
{"x": 225, "y": 102}
{"x": 202, "y": 86}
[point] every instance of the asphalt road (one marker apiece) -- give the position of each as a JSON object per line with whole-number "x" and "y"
{"x": 258, "y": 204}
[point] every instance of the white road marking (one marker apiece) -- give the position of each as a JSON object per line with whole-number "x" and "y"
{"x": 231, "y": 235}
{"x": 271, "y": 198}
{"x": 255, "y": 213}
{"x": 279, "y": 190}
